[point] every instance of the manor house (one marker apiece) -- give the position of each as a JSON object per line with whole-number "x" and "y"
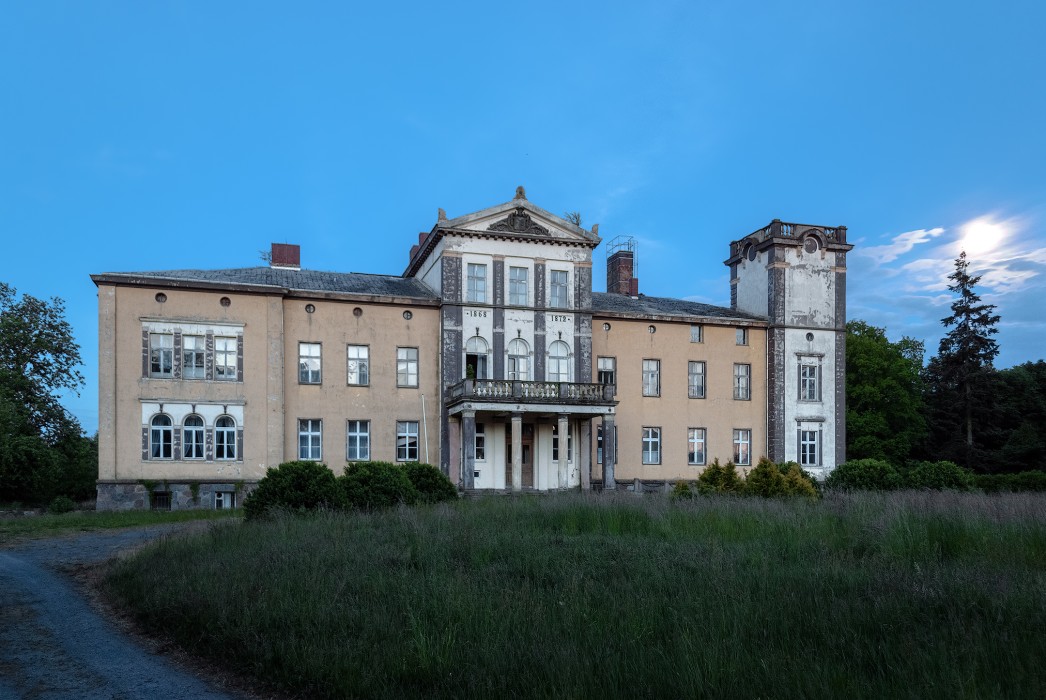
{"x": 490, "y": 355}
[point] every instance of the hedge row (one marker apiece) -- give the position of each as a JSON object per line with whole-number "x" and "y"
{"x": 878, "y": 475}
{"x": 304, "y": 486}
{"x": 768, "y": 480}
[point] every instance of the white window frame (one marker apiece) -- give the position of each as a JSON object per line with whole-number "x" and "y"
{"x": 225, "y": 442}
{"x": 559, "y": 365}
{"x": 697, "y": 333}
{"x": 476, "y": 283}
{"x": 477, "y": 345}
{"x": 407, "y": 367}
{"x": 406, "y": 430}
{"x": 809, "y": 447}
{"x": 360, "y": 355}
{"x": 225, "y": 364}
{"x": 742, "y": 381}
{"x": 357, "y": 440}
{"x": 651, "y": 377}
{"x": 518, "y": 367}
{"x": 696, "y": 379}
{"x": 606, "y": 370}
{"x": 224, "y": 500}
{"x": 194, "y": 357}
{"x": 194, "y": 438}
{"x": 480, "y": 443}
{"x": 742, "y": 336}
{"x": 310, "y": 439}
{"x": 651, "y": 445}
{"x": 743, "y": 447}
{"x": 310, "y": 363}
{"x": 697, "y": 443}
{"x": 161, "y": 355}
{"x": 559, "y": 288}
{"x": 555, "y": 443}
{"x": 518, "y": 286}
{"x": 161, "y": 437}
{"x": 809, "y": 381}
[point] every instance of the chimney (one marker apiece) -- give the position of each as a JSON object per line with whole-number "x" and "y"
{"x": 286, "y": 256}
{"x": 621, "y": 267}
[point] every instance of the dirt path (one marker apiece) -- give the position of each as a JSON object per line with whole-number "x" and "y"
{"x": 54, "y": 645}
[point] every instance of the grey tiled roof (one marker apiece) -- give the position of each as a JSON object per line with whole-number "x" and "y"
{"x": 305, "y": 280}
{"x": 663, "y": 306}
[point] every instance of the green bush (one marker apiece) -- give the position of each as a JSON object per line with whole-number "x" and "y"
{"x": 61, "y": 504}
{"x": 865, "y": 475}
{"x": 431, "y": 484}
{"x": 765, "y": 480}
{"x": 717, "y": 478}
{"x": 797, "y": 482}
{"x": 1004, "y": 483}
{"x": 938, "y": 476}
{"x": 681, "y": 491}
{"x": 294, "y": 486}
{"x": 376, "y": 485}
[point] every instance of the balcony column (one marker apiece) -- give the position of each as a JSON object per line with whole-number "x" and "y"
{"x": 585, "y": 454}
{"x": 564, "y": 441}
{"x": 609, "y": 452}
{"x": 517, "y": 451}
{"x": 468, "y": 451}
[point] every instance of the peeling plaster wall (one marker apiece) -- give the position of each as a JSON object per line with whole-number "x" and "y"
{"x": 752, "y": 285}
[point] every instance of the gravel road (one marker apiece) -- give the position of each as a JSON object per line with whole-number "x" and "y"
{"x": 54, "y": 645}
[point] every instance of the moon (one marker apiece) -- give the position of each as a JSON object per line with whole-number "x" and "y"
{"x": 981, "y": 236}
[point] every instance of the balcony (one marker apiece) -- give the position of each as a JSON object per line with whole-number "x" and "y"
{"x": 509, "y": 391}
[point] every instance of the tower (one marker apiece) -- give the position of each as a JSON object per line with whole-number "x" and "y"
{"x": 795, "y": 276}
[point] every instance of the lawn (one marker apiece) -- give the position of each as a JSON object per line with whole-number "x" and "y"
{"x": 48, "y": 525}
{"x": 860, "y": 596}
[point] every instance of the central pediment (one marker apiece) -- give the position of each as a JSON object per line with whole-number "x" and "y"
{"x": 519, "y": 221}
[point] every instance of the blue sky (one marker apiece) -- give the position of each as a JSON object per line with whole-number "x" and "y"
{"x": 146, "y": 136}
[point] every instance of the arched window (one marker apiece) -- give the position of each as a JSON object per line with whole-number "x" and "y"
{"x": 161, "y": 438}
{"x": 518, "y": 360}
{"x": 192, "y": 438}
{"x": 559, "y": 362}
{"x": 476, "y": 358}
{"x": 225, "y": 438}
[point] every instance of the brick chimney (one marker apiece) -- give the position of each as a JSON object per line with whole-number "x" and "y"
{"x": 621, "y": 266}
{"x": 286, "y": 256}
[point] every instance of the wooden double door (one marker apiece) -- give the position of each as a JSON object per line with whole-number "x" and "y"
{"x": 528, "y": 456}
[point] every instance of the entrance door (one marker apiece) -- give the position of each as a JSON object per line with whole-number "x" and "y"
{"x": 528, "y": 456}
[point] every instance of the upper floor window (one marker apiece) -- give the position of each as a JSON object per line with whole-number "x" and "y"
{"x": 357, "y": 440}
{"x": 742, "y": 382}
{"x": 558, "y": 290}
{"x": 161, "y": 437}
{"x": 696, "y": 380}
{"x": 651, "y": 445}
{"x": 192, "y": 438}
{"x": 697, "y": 333}
{"x": 809, "y": 382}
{"x": 742, "y": 336}
{"x": 310, "y": 439}
{"x": 225, "y": 438}
{"x": 518, "y": 360}
{"x": 358, "y": 369}
{"x": 309, "y": 363}
{"x": 225, "y": 359}
{"x": 743, "y": 447}
{"x": 651, "y": 377}
{"x": 476, "y": 288}
{"x": 606, "y": 370}
{"x": 559, "y": 362}
{"x": 194, "y": 352}
{"x": 406, "y": 366}
{"x": 161, "y": 355}
{"x": 517, "y": 286}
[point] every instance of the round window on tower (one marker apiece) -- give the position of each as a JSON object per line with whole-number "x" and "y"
{"x": 811, "y": 244}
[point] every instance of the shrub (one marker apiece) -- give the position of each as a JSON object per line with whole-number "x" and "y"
{"x": 765, "y": 480}
{"x": 797, "y": 482}
{"x": 717, "y": 478}
{"x": 681, "y": 491}
{"x": 865, "y": 475}
{"x": 61, "y": 504}
{"x": 431, "y": 484}
{"x": 938, "y": 476}
{"x": 1021, "y": 481}
{"x": 294, "y": 486}
{"x": 376, "y": 485}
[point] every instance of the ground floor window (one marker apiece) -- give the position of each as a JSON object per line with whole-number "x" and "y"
{"x": 357, "y": 440}
{"x": 160, "y": 500}
{"x": 161, "y": 438}
{"x": 481, "y": 442}
{"x": 224, "y": 500}
{"x": 310, "y": 439}
{"x": 809, "y": 448}
{"x": 555, "y": 444}
{"x": 192, "y": 438}
{"x": 651, "y": 445}
{"x": 696, "y": 446}
{"x": 225, "y": 438}
{"x": 406, "y": 441}
{"x": 743, "y": 447}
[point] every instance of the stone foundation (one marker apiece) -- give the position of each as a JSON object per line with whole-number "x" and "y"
{"x": 133, "y": 495}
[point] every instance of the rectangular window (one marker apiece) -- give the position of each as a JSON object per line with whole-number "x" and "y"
{"x": 651, "y": 445}
{"x": 695, "y": 446}
{"x": 308, "y": 363}
{"x": 406, "y": 441}
{"x": 194, "y": 350}
{"x": 476, "y": 288}
{"x": 697, "y": 333}
{"x": 224, "y": 500}
{"x": 558, "y": 288}
{"x": 809, "y": 386}
{"x": 599, "y": 444}
{"x": 160, "y": 500}
{"x": 555, "y": 444}
{"x": 742, "y": 382}
{"x": 225, "y": 359}
{"x": 809, "y": 448}
{"x": 406, "y": 366}
{"x": 606, "y": 368}
{"x": 357, "y": 440}
{"x": 743, "y": 447}
{"x": 696, "y": 380}
{"x": 192, "y": 438}
{"x": 358, "y": 373}
{"x": 517, "y": 286}
{"x": 310, "y": 439}
{"x": 742, "y": 336}
{"x": 651, "y": 377}
{"x": 161, "y": 355}
{"x": 481, "y": 442}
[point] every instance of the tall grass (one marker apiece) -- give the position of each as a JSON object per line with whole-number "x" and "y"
{"x": 862, "y": 595}
{"x": 47, "y": 525}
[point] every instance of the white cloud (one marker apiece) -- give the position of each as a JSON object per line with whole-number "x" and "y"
{"x": 900, "y": 244}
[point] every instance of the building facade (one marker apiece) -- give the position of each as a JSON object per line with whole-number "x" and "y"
{"x": 490, "y": 355}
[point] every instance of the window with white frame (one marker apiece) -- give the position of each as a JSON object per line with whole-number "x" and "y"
{"x": 558, "y": 289}
{"x": 309, "y": 363}
{"x": 194, "y": 354}
{"x": 481, "y": 442}
{"x": 357, "y": 440}
{"x": 697, "y": 333}
{"x": 518, "y": 360}
{"x": 809, "y": 381}
{"x": 358, "y": 365}
{"x": 742, "y": 382}
{"x": 225, "y": 438}
{"x": 599, "y": 444}
{"x": 224, "y": 500}
{"x": 696, "y": 380}
{"x": 559, "y": 362}
{"x": 742, "y": 336}
{"x": 192, "y": 438}
{"x": 406, "y": 441}
{"x": 225, "y": 359}
{"x": 518, "y": 284}
{"x": 606, "y": 370}
{"x": 742, "y": 447}
{"x": 651, "y": 377}
{"x": 161, "y": 437}
{"x": 406, "y": 366}
{"x": 695, "y": 440}
{"x": 161, "y": 355}
{"x": 476, "y": 352}
{"x": 809, "y": 447}
{"x": 310, "y": 439}
{"x": 555, "y": 444}
{"x": 651, "y": 445}
{"x": 476, "y": 284}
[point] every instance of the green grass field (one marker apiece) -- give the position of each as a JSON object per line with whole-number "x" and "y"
{"x": 47, "y": 525}
{"x": 859, "y": 596}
